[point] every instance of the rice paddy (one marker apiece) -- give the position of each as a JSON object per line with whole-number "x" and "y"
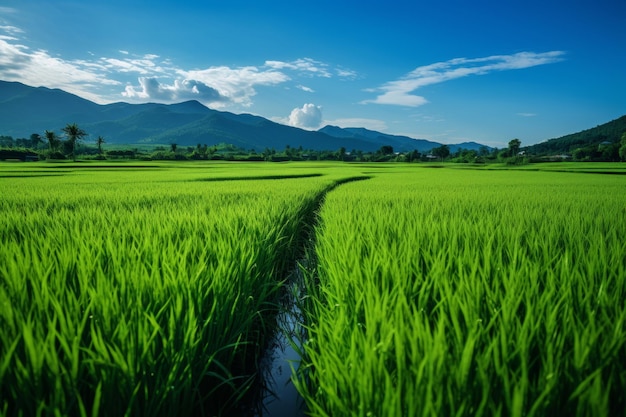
{"x": 151, "y": 290}
{"x": 469, "y": 293}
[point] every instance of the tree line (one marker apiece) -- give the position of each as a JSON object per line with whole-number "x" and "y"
{"x": 50, "y": 145}
{"x": 55, "y": 146}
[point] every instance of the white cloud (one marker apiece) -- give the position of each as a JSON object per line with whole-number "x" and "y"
{"x": 396, "y": 95}
{"x": 20, "y": 63}
{"x": 217, "y": 86}
{"x": 143, "y": 65}
{"x": 109, "y": 78}
{"x": 400, "y": 92}
{"x": 236, "y": 84}
{"x": 307, "y": 117}
{"x": 305, "y": 65}
{"x": 122, "y": 65}
{"x": 159, "y": 79}
{"x": 527, "y": 114}
{"x": 152, "y": 89}
{"x": 10, "y": 29}
{"x": 345, "y": 73}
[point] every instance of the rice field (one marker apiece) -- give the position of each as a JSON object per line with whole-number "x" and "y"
{"x": 150, "y": 290}
{"x": 469, "y": 293}
{"x": 141, "y": 291}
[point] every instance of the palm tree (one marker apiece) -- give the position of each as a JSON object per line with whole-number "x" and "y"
{"x": 99, "y": 142}
{"x": 53, "y": 140}
{"x": 74, "y": 134}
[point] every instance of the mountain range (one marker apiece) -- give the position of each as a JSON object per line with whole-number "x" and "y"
{"x": 25, "y": 110}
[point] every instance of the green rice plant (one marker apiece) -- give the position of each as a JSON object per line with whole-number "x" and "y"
{"x": 458, "y": 293}
{"x": 142, "y": 292}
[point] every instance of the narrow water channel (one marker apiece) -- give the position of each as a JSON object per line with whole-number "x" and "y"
{"x": 282, "y": 360}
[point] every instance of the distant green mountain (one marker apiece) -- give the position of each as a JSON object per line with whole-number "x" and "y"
{"x": 605, "y": 134}
{"x": 399, "y": 143}
{"x": 25, "y": 110}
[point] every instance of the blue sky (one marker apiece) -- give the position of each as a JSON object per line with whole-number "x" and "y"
{"x": 448, "y": 71}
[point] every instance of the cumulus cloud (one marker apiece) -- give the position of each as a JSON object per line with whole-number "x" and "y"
{"x": 400, "y": 92}
{"x": 181, "y": 90}
{"x": 305, "y": 88}
{"x": 236, "y": 84}
{"x": 308, "y": 116}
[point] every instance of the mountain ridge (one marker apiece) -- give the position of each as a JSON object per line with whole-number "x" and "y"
{"x": 25, "y": 109}
{"x": 398, "y": 142}
{"x": 609, "y": 132}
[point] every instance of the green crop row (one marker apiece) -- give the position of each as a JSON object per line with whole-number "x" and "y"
{"x": 468, "y": 293}
{"x": 141, "y": 292}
